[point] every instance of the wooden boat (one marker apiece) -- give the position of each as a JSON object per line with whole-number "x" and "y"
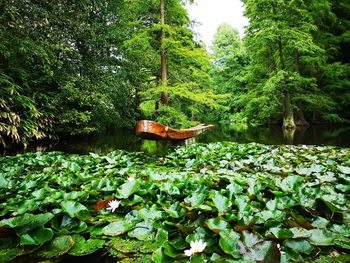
{"x": 152, "y": 130}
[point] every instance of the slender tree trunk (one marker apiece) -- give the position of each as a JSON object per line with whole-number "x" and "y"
{"x": 288, "y": 118}
{"x": 163, "y": 79}
{"x": 299, "y": 116}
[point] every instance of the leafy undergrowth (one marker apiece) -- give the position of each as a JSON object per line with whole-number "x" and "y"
{"x": 247, "y": 202}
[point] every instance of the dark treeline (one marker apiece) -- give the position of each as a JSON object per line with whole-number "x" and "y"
{"x": 78, "y": 67}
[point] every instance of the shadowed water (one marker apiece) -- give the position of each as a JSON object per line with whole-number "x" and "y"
{"x": 127, "y": 140}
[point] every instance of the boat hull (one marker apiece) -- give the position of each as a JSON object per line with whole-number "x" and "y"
{"x": 151, "y": 130}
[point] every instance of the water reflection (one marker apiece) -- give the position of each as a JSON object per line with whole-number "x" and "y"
{"x": 127, "y": 140}
{"x": 316, "y": 135}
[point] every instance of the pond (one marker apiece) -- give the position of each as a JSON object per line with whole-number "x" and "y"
{"x": 127, "y": 140}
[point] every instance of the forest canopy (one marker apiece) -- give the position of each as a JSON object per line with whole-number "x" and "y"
{"x": 78, "y": 67}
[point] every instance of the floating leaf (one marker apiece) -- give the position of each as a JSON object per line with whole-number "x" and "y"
{"x": 321, "y": 237}
{"x": 217, "y": 225}
{"x": 117, "y": 228}
{"x": 57, "y": 247}
{"x": 301, "y": 246}
{"x": 75, "y": 209}
{"x": 229, "y": 242}
{"x": 84, "y": 247}
{"x": 222, "y": 203}
{"x": 37, "y": 236}
{"x": 344, "y": 169}
{"x": 142, "y": 231}
{"x": 127, "y": 189}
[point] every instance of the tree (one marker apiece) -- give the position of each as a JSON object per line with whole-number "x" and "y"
{"x": 66, "y": 58}
{"x": 187, "y": 89}
{"x": 280, "y": 42}
{"x": 229, "y": 65}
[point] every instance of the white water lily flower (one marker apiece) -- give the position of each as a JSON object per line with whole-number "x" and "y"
{"x": 189, "y": 252}
{"x": 131, "y": 178}
{"x": 113, "y": 205}
{"x": 196, "y": 247}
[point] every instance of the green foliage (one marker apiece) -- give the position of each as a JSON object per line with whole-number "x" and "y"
{"x": 20, "y": 120}
{"x": 188, "y": 102}
{"x": 229, "y": 65}
{"x": 291, "y": 49}
{"x": 248, "y": 202}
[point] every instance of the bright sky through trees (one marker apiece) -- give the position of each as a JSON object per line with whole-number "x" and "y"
{"x": 211, "y": 13}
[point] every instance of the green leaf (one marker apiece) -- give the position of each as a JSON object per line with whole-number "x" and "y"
{"x": 158, "y": 256}
{"x": 84, "y": 247}
{"x": 26, "y": 222}
{"x": 279, "y": 233}
{"x": 175, "y": 210}
{"x": 343, "y": 242}
{"x": 222, "y": 203}
{"x": 170, "y": 251}
{"x": 217, "y": 225}
{"x": 37, "y": 236}
{"x": 301, "y": 246}
{"x": 321, "y": 237}
{"x": 126, "y": 246}
{"x": 118, "y": 228}
{"x": 196, "y": 199}
{"x": 75, "y": 209}
{"x": 264, "y": 251}
{"x": 344, "y": 169}
{"x": 127, "y": 189}
{"x": 250, "y": 239}
{"x": 57, "y": 247}
{"x": 142, "y": 231}
{"x": 151, "y": 213}
{"x": 229, "y": 242}
{"x": 3, "y": 182}
{"x": 7, "y": 255}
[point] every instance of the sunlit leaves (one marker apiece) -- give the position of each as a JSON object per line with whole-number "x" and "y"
{"x": 247, "y": 202}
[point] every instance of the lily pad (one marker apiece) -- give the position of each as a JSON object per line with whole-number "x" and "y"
{"x": 84, "y": 247}
{"x": 57, "y": 247}
{"x": 321, "y": 237}
{"x": 118, "y": 228}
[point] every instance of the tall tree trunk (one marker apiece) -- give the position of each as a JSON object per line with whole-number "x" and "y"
{"x": 299, "y": 116}
{"x": 288, "y": 118}
{"x": 163, "y": 79}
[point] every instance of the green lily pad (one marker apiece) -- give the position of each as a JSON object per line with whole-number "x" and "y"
{"x": 229, "y": 243}
{"x": 118, "y": 228}
{"x": 142, "y": 231}
{"x": 301, "y": 246}
{"x": 217, "y": 225}
{"x": 321, "y": 237}
{"x": 126, "y": 246}
{"x": 75, "y": 209}
{"x": 26, "y": 222}
{"x": 84, "y": 247}
{"x": 37, "y": 236}
{"x": 57, "y": 247}
{"x": 344, "y": 169}
{"x": 7, "y": 255}
{"x": 280, "y": 233}
{"x": 127, "y": 189}
{"x": 222, "y": 203}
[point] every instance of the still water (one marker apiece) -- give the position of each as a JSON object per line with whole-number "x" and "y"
{"x": 127, "y": 140}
